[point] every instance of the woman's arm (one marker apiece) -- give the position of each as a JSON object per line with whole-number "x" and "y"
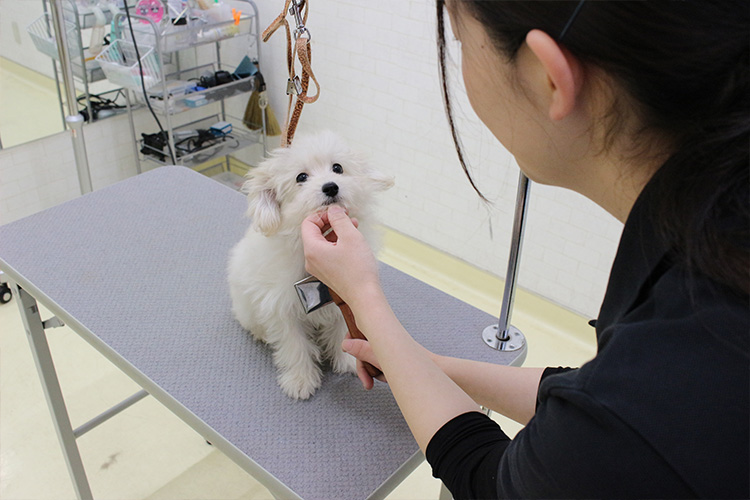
{"x": 508, "y": 390}
{"x": 427, "y": 397}
{"x": 426, "y": 394}
{"x": 342, "y": 259}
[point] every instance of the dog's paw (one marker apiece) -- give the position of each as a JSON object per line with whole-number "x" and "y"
{"x": 299, "y": 385}
{"x": 344, "y": 362}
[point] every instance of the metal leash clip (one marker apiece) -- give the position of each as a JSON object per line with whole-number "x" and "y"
{"x": 294, "y": 86}
{"x": 296, "y": 11}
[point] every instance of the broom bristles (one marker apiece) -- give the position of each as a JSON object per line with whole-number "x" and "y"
{"x": 272, "y": 124}
{"x": 253, "y": 118}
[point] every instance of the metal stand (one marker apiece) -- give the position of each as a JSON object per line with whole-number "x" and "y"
{"x": 503, "y": 336}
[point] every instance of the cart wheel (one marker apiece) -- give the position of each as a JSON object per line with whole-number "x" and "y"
{"x": 5, "y": 294}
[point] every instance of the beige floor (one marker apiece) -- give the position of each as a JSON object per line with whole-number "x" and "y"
{"x": 147, "y": 453}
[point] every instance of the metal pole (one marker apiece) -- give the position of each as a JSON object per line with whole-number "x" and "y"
{"x": 511, "y": 277}
{"x": 50, "y": 29}
{"x": 74, "y": 119}
{"x": 103, "y": 417}
{"x": 503, "y": 336}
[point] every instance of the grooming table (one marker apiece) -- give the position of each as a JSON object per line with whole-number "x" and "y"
{"x": 138, "y": 270}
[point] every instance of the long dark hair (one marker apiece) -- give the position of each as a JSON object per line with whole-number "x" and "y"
{"x": 687, "y": 63}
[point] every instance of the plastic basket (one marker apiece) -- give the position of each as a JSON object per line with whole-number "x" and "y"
{"x": 42, "y": 34}
{"x": 121, "y": 67}
{"x": 170, "y": 38}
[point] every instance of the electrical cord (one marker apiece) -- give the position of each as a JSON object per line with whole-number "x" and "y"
{"x": 199, "y": 140}
{"x": 143, "y": 84}
{"x": 198, "y": 158}
{"x": 203, "y": 139}
{"x": 98, "y": 104}
{"x": 101, "y": 101}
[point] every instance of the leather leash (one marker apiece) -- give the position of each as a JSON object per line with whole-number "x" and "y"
{"x": 354, "y": 331}
{"x": 299, "y": 87}
{"x": 296, "y": 86}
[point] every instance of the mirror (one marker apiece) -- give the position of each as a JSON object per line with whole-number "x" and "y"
{"x": 32, "y": 99}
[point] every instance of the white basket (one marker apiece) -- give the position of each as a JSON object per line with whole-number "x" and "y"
{"x": 42, "y": 34}
{"x": 171, "y": 38}
{"x": 121, "y": 67}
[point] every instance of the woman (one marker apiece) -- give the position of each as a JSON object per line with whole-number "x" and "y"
{"x": 643, "y": 108}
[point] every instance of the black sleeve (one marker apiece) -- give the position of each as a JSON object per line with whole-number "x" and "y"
{"x": 465, "y": 454}
{"x": 552, "y": 371}
{"x": 574, "y": 447}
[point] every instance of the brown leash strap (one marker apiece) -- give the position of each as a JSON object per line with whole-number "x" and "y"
{"x": 354, "y": 332}
{"x": 296, "y": 86}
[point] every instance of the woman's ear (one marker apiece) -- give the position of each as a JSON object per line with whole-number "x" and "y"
{"x": 263, "y": 206}
{"x": 563, "y": 73}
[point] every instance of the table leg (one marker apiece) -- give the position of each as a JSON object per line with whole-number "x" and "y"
{"x": 32, "y": 322}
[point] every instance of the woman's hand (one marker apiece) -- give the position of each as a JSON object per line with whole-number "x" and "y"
{"x": 343, "y": 260}
{"x": 337, "y": 254}
{"x": 361, "y": 350}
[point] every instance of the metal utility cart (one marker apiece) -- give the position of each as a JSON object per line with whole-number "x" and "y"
{"x": 86, "y": 70}
{"x": 189, "y": 68}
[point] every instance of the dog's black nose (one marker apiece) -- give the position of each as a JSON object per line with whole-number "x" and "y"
{"x": 330, "y": 189}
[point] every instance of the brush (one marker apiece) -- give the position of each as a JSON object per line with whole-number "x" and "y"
{"x": 257, "y": 110}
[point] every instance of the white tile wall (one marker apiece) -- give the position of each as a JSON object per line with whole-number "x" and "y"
{"x": 42, "y": 173}
{"x": 376, "y": 62}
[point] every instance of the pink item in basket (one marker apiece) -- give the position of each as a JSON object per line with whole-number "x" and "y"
{"x": 153, "y": 9}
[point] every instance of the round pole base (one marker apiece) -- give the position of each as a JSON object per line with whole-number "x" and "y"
{"x": 512, "y": 340}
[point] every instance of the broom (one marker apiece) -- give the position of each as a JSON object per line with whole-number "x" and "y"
{"x": 257, "y": 107}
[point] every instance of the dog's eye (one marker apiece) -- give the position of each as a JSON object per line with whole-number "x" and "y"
{"x": 302, "y": 177}
{"x": 337, "y": 169}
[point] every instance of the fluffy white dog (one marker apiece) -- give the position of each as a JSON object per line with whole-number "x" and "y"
{"x": 316, "y": 171}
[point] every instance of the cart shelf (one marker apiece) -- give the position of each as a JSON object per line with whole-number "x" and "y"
{"x": 239, "y": 138}
{"x": 178, "y": 100}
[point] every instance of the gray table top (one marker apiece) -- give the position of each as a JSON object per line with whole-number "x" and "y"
{"x": 138, "y": 270}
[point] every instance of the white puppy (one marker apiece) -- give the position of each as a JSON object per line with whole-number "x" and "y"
{"x": 316, "y": 171}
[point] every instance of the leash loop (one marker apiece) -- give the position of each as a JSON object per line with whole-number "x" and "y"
{"x": 297, "y": 85}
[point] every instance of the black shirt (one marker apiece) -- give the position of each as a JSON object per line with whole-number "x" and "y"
{"x": 661, "y": 411}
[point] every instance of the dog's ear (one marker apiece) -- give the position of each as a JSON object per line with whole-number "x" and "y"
{"x": 379, "y": 180}
{"x": 263, "y": 208}
{"x": 265, "y": 212}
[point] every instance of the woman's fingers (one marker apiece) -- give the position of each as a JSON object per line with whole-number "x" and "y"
{"x": 368, "y": 367}
{"x": 367, "y": 380}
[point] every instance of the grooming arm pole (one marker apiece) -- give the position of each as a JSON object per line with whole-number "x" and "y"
{"x": 503, "y": 336}
{"x": 74, "y": 119}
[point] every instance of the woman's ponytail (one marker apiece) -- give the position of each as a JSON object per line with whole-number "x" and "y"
{"x": 703, "y": 206}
